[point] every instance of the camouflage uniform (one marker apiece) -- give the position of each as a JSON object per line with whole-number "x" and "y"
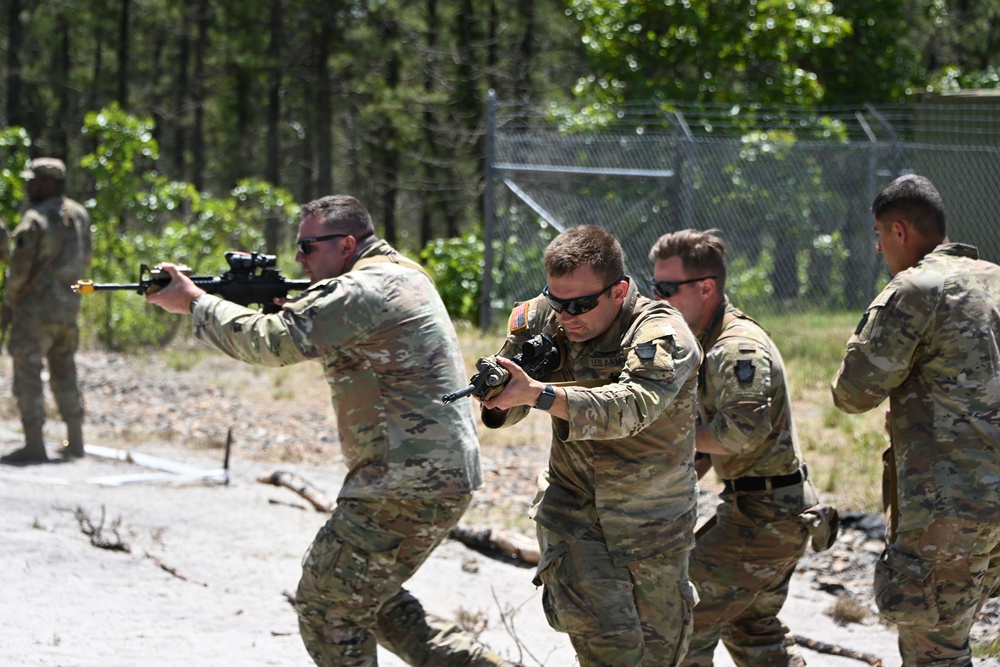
{"x": 52, "y": 250}
{"x": 928, "y": 342}
{"x": 616, "y": 513}
{"x": 389, "y": 352}
{"x": 742, "y": 564}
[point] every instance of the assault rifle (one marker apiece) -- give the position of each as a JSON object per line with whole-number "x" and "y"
{"x": 540, "y": 356}
{"x": 251, "y": 279}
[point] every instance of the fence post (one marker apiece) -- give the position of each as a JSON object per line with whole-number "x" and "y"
{"x": 684, "y": 184}
{"x": 489, "y": 215}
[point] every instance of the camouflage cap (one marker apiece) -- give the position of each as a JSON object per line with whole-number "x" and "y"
{"x": 45, "y": 167}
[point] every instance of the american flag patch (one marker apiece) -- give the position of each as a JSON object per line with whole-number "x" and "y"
{"x": 518, "y": 317}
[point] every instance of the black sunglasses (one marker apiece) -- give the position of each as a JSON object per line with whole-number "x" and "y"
{"x": 306, "y": 245}
{"x": 578, "y": 305}
{"x": 667, "y": 288}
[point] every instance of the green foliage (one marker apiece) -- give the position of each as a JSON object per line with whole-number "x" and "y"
{"x": 141, "y": 217}
{"x": 14, "y": 145}
{"x": 457, "y": 267}
{"x": 706, "y": 51}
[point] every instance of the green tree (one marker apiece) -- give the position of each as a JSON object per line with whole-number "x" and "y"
{"x": 719, "y": 51}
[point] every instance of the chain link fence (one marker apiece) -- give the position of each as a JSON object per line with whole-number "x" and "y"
{"x": 789, "y": 191}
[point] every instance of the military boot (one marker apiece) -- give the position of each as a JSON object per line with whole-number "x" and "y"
{"x": 73, "y": 445}
{"x": 33, "y": 450}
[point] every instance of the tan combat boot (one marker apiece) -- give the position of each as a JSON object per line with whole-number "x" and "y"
{"x": 33, "y": 450}
{"x": 73, "y": 445}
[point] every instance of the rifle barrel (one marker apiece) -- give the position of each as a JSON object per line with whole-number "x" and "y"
{"x": 455, "y": 395}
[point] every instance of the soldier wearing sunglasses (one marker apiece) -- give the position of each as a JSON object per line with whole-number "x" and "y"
{"x": 616, "y": 511}
{"x": 375, "y": 321}
{"x": 744, "y": 559}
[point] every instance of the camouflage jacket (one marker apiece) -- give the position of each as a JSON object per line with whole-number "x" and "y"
{"x": 928, "y": 342}
{"x": 625, "y": 458}
{"x": 389, "y": 352}
{"x": 52, "y": 249}
{"x": 743, "y": 399}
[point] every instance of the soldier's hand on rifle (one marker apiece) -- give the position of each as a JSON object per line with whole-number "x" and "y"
{"x": 177, "y": 296}
{"x": 520, "y": 390}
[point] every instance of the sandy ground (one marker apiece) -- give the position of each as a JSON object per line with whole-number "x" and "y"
{"x": 232, "y": 551}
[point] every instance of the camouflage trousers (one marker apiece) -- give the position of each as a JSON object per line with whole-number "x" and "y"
{"x": 931, "y": 582}
{"x": 616, "y": 616}
{"x": 741, "y": 568}
{"x": 351, "y": 595}
{"x": 31, "y": 344}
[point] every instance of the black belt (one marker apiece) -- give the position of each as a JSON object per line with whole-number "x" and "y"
{"x": 766, "y": 483}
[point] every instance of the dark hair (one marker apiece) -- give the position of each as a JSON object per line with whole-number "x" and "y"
{"x": 915, "y": 199}
{"x": 343, "y": 213}
{"x": 585, "y": 245}
{"x": 701, "y": 253}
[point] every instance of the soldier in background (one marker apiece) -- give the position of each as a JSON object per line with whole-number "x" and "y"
{"x": 52, "y": 250}
{"x": 929, "y": 344}
{"x": 743, "y": 561}
{"x": 376, "y": 322}
{"x": 618, "y": 503}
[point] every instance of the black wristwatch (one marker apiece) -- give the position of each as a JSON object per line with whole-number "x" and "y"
{"x": 546, "y": 398}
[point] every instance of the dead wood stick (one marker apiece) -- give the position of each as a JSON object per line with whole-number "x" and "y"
{"x": 498, "y": 540}
{"x": 300, "y": 486}
{"x": 833, "y": 649}
{"x": 96, "y": 534}
{"x": 170, "y": 570}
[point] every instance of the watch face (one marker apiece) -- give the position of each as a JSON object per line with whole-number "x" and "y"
{"x": 547, "y": 397}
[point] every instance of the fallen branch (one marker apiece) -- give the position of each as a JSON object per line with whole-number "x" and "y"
{"x": 170, "y": 570}
{"x": 300, "y": 486}
{"x": 96, "y": 533}
{"x": 493, "y": 541}
{"x": 833, "y": 649}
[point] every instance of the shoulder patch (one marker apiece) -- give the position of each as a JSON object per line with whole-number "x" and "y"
{"x": 646, "y": 350}
{"x": 862, "y": 323}
{"x": 518, "y": 318}
{"x": 744, "y": 370}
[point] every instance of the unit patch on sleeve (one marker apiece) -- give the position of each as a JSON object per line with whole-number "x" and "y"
{"x": 646, "y": 350}
{"x": 862, "y": 323}
{"x": 744, "y": 370}
{"x": 518, "y": 317}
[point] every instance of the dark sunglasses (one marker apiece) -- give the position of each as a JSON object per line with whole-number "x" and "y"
{"x": 578, "y": 305}
{"x": 667, "y": 288}
{"x": 306, "y": 245}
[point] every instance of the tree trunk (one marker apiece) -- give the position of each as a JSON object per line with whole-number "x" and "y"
{"x": 198, "y": 97}
{"x": 324, "y": 100}
{"x": 180, "y": 121}
{"x": 272, "y": 166}
{"x": 431, "y": 194}
{"x": 523, "y": 89}
{"x": 61, "y": 68}
{"x": 123, "y": 55}
{"x": 15, "y": 36}
{"x": 390, "y": 162}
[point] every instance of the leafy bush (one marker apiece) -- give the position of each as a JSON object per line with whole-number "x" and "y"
{"x": 141, "y": 217}
{"x": 457, "y": 267}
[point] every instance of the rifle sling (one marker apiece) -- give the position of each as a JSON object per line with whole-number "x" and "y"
{"x": 395, "y": 258}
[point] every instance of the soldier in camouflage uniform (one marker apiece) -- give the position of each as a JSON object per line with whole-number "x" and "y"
{"x": 375, "y": 321}
{"x": 52, "y": 249}
{"x": 743, "y": 561}
{"x": 928, "y": 342}
{"x": 617, "y": 508}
